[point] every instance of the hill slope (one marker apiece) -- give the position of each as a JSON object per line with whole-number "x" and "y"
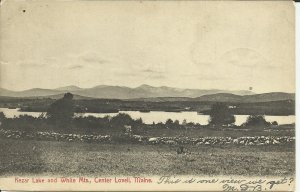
{"x": 264, "y": 97}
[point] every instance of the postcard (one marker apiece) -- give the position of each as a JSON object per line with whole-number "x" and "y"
{"x": 147, "y": 95}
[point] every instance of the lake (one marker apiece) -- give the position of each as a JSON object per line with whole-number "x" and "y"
{"x": 160, "y": 116}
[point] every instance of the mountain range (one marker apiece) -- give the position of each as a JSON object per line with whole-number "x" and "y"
{"x": 119, "y": 92}
{"x": 150, "y": 93}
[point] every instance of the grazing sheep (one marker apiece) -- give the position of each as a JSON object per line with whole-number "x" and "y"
{"x": 153, "y": 140}
{"x": 256, "y": 140}
{"x": 199, "y": 143}
{"x": 235, "y": 141}
{"x": 250, "y": 143}
{"x": 137, "y": 137}
{"x": 171, "y": 142}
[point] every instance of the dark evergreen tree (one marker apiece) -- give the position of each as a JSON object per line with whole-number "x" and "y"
{"x": 61, "y": 111}
{"x": 256, "y": 121}
{"x": 220, "y": 115}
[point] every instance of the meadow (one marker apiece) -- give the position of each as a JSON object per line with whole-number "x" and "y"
{"x": 32, "y": 157}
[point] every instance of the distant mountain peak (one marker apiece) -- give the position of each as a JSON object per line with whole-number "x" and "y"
{"x": 69, "y": 88}
{"x": 37, "y": 89}
{"x": 101, "y": 86}
{"x": 145, "y": 86}
{"x": 1, "y": 88}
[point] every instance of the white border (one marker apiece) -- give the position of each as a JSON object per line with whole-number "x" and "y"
{"x": 297, "y": 93}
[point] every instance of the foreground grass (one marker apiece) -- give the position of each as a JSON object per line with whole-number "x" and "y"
{"x": 28, "y": 157}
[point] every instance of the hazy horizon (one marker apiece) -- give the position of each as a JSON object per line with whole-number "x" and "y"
{"x": 140, "y": 86}
{"x": 181, "y": 44}
{"x": 106, "y": 85}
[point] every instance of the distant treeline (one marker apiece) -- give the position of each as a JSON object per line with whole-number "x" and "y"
{"x": 285, "y": 107}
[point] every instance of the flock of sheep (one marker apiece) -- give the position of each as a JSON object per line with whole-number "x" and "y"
{"x": 53, "y": 136}
{"x": 255, "y": 140}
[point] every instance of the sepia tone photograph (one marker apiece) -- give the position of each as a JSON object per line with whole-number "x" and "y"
{"x": 147, "y": 92}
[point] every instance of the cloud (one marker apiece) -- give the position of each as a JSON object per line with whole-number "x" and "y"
{"x": 245, "y": 58}
{"x": 211, "y": 78}
{"x": 157, "y": 76}
{"x": 204, "y": 77}
{"x": 151, "y": 71}
{"x": 76, "y": 67}
{"x": 4, "y": 63}
{"x": 95, "y": 60}
{"x": 23, "y": 63}
{"x": 143, "y": 74}
{"x": 31, "y": 64}
{"x": 89, "y": 57}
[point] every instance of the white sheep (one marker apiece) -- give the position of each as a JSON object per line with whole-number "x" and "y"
{"x": 171, "y": 142}
{"x": 153, "y": 140}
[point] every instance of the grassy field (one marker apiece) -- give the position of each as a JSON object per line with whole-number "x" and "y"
{"x": 28, "y": 157}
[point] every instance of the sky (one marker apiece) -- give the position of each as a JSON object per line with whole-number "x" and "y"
{"x": 232, "y": 45}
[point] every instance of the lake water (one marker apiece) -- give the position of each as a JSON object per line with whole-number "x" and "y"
{"x": 160, "y": 116}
